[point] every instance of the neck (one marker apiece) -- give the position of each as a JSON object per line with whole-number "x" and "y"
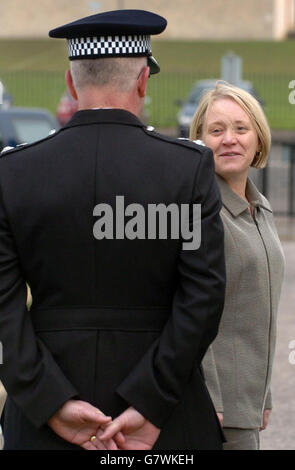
{"x": 107, "y": 98}
{"x": 237, "y": 183}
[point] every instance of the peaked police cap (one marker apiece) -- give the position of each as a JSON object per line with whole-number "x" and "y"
{"x": 118, "y": 33}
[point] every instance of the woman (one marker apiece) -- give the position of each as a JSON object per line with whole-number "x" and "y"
{"x": 238, "y": 365}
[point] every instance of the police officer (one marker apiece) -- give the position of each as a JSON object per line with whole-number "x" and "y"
{"x": 109, "y": 355}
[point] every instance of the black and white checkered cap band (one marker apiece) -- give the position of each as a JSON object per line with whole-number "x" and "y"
{"x": 109, "y": 46}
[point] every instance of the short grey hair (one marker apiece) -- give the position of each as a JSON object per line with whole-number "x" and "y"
{"x": 119, "y": 72}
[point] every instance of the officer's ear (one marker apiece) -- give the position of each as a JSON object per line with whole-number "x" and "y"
{"x": 70, "y": 84}
{"x": 142, "y": 81}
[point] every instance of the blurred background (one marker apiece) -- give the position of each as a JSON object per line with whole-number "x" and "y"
{"x": 249, "y": 43}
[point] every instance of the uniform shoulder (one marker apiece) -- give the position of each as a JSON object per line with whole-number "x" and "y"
{"x": 8, "y": 151}
{"x": 195, "y": 145}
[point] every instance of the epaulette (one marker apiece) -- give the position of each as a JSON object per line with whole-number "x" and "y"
{"x": 193, "y": 144}
{"x": 9, "y": 150}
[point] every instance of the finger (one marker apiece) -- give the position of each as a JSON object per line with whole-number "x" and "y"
{"x": 100, "y": 445}
{"x": 103, "y": 419}
{"x": 108, "y": 444}
{"x": 93, "y": 445}
{"x": 97, "y": 417}
{"x": 91, "y": 413}
{"x": 112, "y": 429}
{"x": 99, "y": 414}
{"x": 119, "y": 439}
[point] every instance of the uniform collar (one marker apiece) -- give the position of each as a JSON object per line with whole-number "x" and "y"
{"x": 97, "y": 116}
{"x": 235, "y": 204}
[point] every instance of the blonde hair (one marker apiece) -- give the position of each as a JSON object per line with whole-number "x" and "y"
{"x": 249, "y": 104}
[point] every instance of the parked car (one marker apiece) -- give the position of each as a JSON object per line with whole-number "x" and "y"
{"x": 5, "y": 97}
{"x": 189, "y": 106}
{"x": 25, "y": 125}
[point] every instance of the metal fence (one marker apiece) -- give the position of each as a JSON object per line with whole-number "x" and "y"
{"x": 33, "y": 88}
{"x": 277, "y": 181}
{"x": 44, "y": 89}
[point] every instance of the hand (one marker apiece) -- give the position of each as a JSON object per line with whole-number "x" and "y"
{"x": 131, "y": 431}
{"x": 266, "y": 415}
{"x": 76, "y": 421}
{"x": 220, "y": 417}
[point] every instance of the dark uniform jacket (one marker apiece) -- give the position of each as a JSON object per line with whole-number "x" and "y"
{"x": 115, "y": 322}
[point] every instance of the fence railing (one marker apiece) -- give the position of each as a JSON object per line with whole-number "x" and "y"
{"x": 44, "y": 89}
{"x": 277, "y": 181}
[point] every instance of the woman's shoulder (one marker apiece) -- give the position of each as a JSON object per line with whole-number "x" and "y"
{"x": 256, "y": 194}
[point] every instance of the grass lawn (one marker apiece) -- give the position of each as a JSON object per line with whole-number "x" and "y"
{"x": 33, "y": 72}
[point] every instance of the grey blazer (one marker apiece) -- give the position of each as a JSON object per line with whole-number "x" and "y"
{"x": 238, "y": 364}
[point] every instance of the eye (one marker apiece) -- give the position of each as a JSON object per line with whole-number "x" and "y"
{"x": 241, "y": 129}
{"x": 215, "y": 131}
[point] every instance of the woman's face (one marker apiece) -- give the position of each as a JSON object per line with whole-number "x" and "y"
{"x": 229, "y": 132}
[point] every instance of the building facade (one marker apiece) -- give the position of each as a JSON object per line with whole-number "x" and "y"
{"x": 187, "y": 19}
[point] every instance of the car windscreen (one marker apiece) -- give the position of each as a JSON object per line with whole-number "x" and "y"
{"x": 1, "y": 141}
{"x": 30, "y": 129}
{"x": 197, "y": 93}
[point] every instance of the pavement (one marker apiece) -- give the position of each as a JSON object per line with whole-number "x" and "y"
{"x": 280, "y": 433}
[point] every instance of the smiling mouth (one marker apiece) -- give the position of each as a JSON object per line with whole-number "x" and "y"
{"x": 230, "y": 154}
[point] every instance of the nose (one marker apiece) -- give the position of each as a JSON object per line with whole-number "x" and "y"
{"x": 229, "y": 136}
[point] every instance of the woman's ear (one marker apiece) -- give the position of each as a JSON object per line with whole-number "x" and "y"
{"x": 70, "y": 84}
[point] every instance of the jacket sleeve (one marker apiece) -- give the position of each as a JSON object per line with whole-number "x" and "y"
{"x": 268, "y": 401}
{"x": 212, "y": 380}
{"x": 155, "y": 385}
{"x": 28, "y": 371}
